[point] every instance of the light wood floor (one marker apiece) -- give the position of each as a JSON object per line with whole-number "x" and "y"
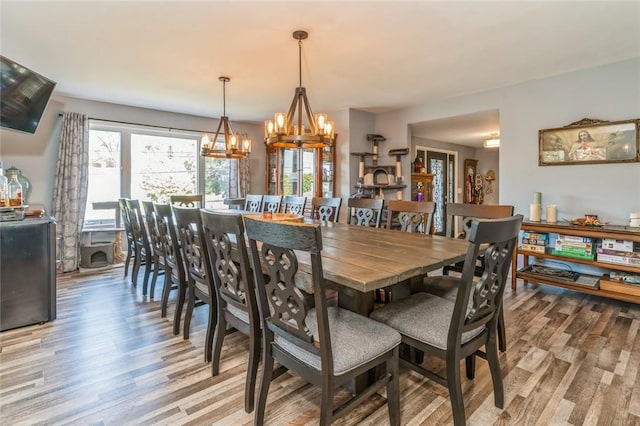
{"x": 110, "y": 359}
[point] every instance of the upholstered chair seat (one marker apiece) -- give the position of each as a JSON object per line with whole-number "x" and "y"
{"x": 410, "y": 315}
{"x": 355, "y": 340}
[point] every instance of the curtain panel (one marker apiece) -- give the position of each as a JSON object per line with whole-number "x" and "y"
{"x": 70, "y": 187}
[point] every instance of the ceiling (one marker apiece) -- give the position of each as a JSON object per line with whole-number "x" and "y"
{"x": 369, "y": 55}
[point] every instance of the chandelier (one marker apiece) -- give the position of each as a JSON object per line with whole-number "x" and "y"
{"x": 230, "y": 145}
{"x": 299, "y": 128}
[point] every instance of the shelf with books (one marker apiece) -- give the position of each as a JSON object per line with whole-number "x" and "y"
{"x": 579, "y": 245}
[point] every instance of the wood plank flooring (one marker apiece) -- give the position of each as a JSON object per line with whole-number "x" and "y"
{"x": 110, "y": 359}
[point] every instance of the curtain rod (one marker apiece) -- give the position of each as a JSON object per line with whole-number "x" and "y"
{"x": 146, "y": 125}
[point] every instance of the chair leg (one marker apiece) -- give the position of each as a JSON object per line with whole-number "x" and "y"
{"x": 393, "y": 388}
{"x": 177, "y": 315}
{"x": 127, "y": 261}
{"x": 470, "y": 366}
{"x": 212, "y": 328}
{"x": 496, "y": 375}
{"x": 502, "y": 333}
{"x": 326, "y": 404}
{"x": 166, "y": 289}
{"x": 455, "y": 390}
{"x": 265, "y": 382}
{"x": 252, "y": 370}
{"x": 154, "y": 276}
{"x": 191, "y": 302}
{"x": 136, "y": 268}
{"x": 218, "y": 339}
{"x": 147, "y": 271}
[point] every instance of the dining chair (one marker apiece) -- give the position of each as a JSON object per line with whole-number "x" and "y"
{"x": 174, "y": 264}
{"x": 325, "y": 209}
{"x": 464, "y": 214}
{"x": 157, "y": 247}
{"x": 411, "y": 216}
{"x": 365, "y": 211}
{"x": 143, "y": 253}
{"x": 271, "y": 203}
{"x": 131, "y": 245}
{"x": 253, "y": 203}
{"x": 198, "y": 271}
{"x": 326, "y": 345}
{"x": 457, "y": 329}
{"x": 191, "y": 200}
{"x": 293, "y": 204}
{"x": 235, "y": 292}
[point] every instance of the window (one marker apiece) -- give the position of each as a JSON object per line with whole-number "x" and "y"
{"x": 149, "y": 164}
{"x": 297, "y": 172}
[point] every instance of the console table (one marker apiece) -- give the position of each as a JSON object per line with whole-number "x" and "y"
{"x": 619, "y": 291}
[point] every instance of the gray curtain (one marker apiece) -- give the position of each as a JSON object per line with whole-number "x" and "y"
{"x": 70, "y": 188}
{"x": 239, "y": 178}
{"x": 243, "y": 176}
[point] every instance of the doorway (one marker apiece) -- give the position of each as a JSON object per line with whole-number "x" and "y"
{"x": 442, "y": 164}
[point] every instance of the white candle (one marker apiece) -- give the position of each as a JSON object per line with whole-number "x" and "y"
{"x": 552, "y": 213}
{"x": 361, "y": 169}
{"x": 535, "y": 210}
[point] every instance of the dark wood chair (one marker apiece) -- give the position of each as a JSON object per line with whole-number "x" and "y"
{"x": 271, "y": 203}
{"x": 365, "y": 211}
{"x": 131, "y": 244}
{"x": 175, "y": 276}
{"x": 327, "y": 346}
{"x": 326, "y": 209}
{"x": 143, "y": 253}
{"x": 235, "y": 291}
{"x": 198, "y": 271}
{"x": 464, "y": 215}
{"x": 253, "y": 203}
{"x": 191, "y": 200}
{"x": 457, "y": 329}
{"x": 411, "y": 216}
{"x": 155, "y": 241}
{"x": 294, "y": 205}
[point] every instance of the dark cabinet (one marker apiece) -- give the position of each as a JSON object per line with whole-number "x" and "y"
{"x": 27, "y": 272}
{"x": 422, "y": 183}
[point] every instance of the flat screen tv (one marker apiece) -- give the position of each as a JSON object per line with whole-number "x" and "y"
{"x": 24, "y": 96}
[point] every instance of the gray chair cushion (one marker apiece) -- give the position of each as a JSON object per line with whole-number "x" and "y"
{"x": 355, "y": 340}
{"x": 238, "y": 313}
{"x": 423, "y": 317}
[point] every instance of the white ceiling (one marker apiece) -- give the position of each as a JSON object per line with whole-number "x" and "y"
{"x": 370, "y": 55}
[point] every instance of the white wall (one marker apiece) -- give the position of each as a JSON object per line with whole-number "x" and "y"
{"x": 36, "y": 154}
{"x": 610, "y": 92}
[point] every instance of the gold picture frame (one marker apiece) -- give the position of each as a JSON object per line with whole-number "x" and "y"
{"x": 590, "y": 141}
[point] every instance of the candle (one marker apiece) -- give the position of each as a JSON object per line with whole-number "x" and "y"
{"x": 552, "y": 213}
{"x": 361, "y": 168}
{"x": 537, "y": 198}
{"x": 535, "y": 210}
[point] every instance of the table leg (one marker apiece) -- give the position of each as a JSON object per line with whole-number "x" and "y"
{"x": 355, "y": 301}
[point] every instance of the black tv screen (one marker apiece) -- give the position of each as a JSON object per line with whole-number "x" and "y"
{"x": 24, "y": 96}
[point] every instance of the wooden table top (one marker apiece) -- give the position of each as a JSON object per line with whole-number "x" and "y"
{"x": 366, "y": 259}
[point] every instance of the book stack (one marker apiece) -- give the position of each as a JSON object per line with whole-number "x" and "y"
{"x": 573, "y": 246}
{"x": 619, "y": 251}
{"x": 534, "y": 241}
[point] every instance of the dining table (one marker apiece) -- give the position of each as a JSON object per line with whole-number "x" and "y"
{"x": 358, "y": 260}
